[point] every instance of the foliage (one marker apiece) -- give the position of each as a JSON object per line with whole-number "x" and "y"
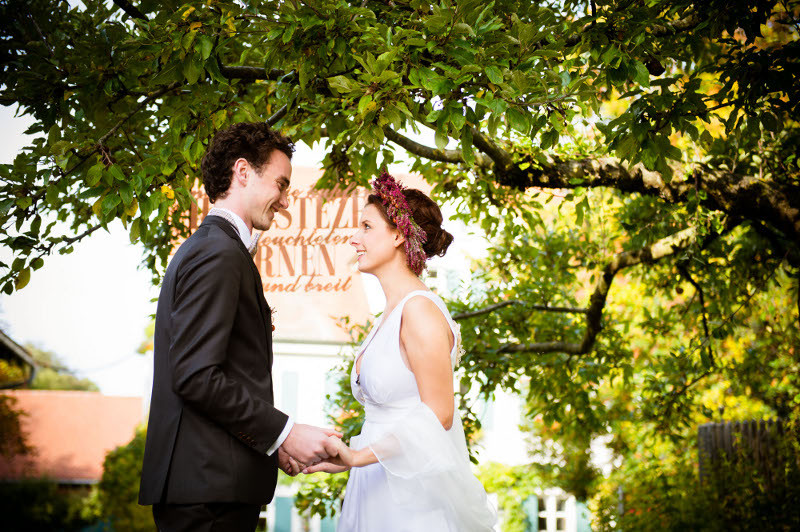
{"x": 513, "y": 486}
{"x": 118, "y": 490}
{"x": 737, "y": 496}
{"x": 12, "y": 437}
{"x": 40, "y": 505}
{"x": 51, "y": 374}
{"x": 320, "y": 493}
{"x": 124, "y": 102}
{"x": 633, "y": 164}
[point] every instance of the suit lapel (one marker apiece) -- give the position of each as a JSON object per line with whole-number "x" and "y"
{"x": 266, "y": 316}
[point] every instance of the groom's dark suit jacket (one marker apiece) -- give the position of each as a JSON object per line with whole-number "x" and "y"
{"x": 212, "y": 417}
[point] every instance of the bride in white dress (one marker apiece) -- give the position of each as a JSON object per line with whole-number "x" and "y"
{"x": 410, "y": 470}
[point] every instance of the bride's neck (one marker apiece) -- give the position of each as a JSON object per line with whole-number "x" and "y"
{"x": 397, "y": 283}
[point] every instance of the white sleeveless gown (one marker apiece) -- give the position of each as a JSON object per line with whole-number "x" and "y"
{"x": 423, "y": 481}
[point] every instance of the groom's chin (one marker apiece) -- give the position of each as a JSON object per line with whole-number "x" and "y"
{"x": 263, "y": 225}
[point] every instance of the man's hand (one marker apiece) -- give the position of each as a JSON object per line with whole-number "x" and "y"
{"x": 306, "y": 444}
{"x": 340, "y": 458}
{"x": 288, "y": 464}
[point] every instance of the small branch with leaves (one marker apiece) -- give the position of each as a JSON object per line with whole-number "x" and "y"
{"x": 660, "y": 249}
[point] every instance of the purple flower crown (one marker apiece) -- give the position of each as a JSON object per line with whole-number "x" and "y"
{"x": 391, "y": 194}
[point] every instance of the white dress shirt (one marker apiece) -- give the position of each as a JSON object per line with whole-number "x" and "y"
{"x": 244, "y": 234}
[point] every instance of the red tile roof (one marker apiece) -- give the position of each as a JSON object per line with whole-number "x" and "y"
{"x": 71, "y": 433}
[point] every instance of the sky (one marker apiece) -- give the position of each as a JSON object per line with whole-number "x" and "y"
{"x": 91, "y": 307}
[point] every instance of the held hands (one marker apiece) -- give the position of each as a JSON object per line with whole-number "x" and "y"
{"x": 305, "y": 445}
{"x": 341, "y": 458}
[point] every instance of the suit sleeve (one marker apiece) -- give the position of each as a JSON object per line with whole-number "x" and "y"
{"x": 203, "y": 311}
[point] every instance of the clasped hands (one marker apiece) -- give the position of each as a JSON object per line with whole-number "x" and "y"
{"x": 310, "y": 449}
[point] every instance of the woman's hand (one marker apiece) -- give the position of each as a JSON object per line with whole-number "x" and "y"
{"x": 341, "y": 458}
{"x": 331, "y": 465}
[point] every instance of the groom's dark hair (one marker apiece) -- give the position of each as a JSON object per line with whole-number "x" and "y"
{"x": 253, "y": 141}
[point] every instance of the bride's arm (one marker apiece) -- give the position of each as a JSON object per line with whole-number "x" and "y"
{"x": 426, "y": 340}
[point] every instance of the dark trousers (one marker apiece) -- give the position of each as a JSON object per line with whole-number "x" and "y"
{"x": 208, "y": 517}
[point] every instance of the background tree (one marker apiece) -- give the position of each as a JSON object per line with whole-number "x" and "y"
{"x": 51, "y": 374}
{"x": 633, "y": 164}
{"x": 118, "y": 490}
{"x": 13, "y": 440}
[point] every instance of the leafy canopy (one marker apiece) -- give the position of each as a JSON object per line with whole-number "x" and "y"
{"x": 633, "y": 164}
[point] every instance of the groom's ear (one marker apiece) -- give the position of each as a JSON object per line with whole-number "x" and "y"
{"x": 239, "y": 171}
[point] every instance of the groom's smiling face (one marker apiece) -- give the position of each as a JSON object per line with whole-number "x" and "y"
{"x": 267, "y": 189}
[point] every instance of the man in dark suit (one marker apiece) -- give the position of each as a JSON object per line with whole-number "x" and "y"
{"x": 214, "y": 438}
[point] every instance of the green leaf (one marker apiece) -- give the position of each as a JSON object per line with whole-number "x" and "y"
{"x": 134, "y": 231}
{"x": 565, "y": 78}
{"x": 494, "y": 74}
{"x": 37, "y": 263}
{"x": 117, "y": 173}
{"x": 126, "y": 193}
{"x": 458, "y": 120}
{"x": 580, "y": 207}
{"x": 25, "y": 202}
{"x": 188, "y": 39}
{"x": 441, "y": 139}
{"x": 769, "y": 122}
{"x": 168, "y": 75}
{"x": 343, "y": 84}
{"x": 649, "y": 156}
{"x": 363, "y": 103}
{"x": 641, "y": 74}
{"x": 6, "y": 205}
{"x": 204, "y": 45}
{"x": 23, "y": 277}
{"x": 467, "y": 150}
{"x": 548, "y": 139}
{"x": 110, "y": 202}
{"x": 518, "y": 121}
{"x": 169, "y": 167}
{"x": 94, "y": 174}
{"x": 192, "y": 69}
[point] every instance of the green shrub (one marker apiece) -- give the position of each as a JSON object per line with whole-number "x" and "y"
{"x": 118, "y": 491}
{"x": 734, "y": 495}
{"x": 36, "y": 505}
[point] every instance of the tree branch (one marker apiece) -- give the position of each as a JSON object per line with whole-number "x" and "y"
{"x": 434, "y": 154}
{"x": 681, "y": 25}
{"x": 685, "y": 272}
{"x": 76, "y": 238}
{"x": 162, "y": 91}
{"x": 130, "y": 9}
{"x": 249, "y": 73}
{"x": 594, "y": 312}
{"x": 736, "y": 195}
{"x": 501, "y": 158}
{"x": 492, "y": 308}
{"x": 280, "y": 113}
{"x": 658, "y": 30}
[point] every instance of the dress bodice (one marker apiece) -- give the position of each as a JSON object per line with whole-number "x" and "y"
{"x": 385, "y": 381}
{"x": 423, "y": 478}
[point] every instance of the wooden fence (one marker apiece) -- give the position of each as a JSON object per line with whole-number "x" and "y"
{"x": 745, "y": 446}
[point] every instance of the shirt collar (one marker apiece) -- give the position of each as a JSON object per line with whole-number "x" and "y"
{"x": 241, "y": 227}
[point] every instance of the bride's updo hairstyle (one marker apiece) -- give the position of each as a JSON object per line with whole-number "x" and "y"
{"x": 426, "y": 214}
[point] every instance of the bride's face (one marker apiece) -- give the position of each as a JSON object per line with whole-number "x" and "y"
{"x": 375, "y": 242}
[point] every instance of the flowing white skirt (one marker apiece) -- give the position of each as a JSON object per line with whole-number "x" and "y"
{"x": 423, "y": 481}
